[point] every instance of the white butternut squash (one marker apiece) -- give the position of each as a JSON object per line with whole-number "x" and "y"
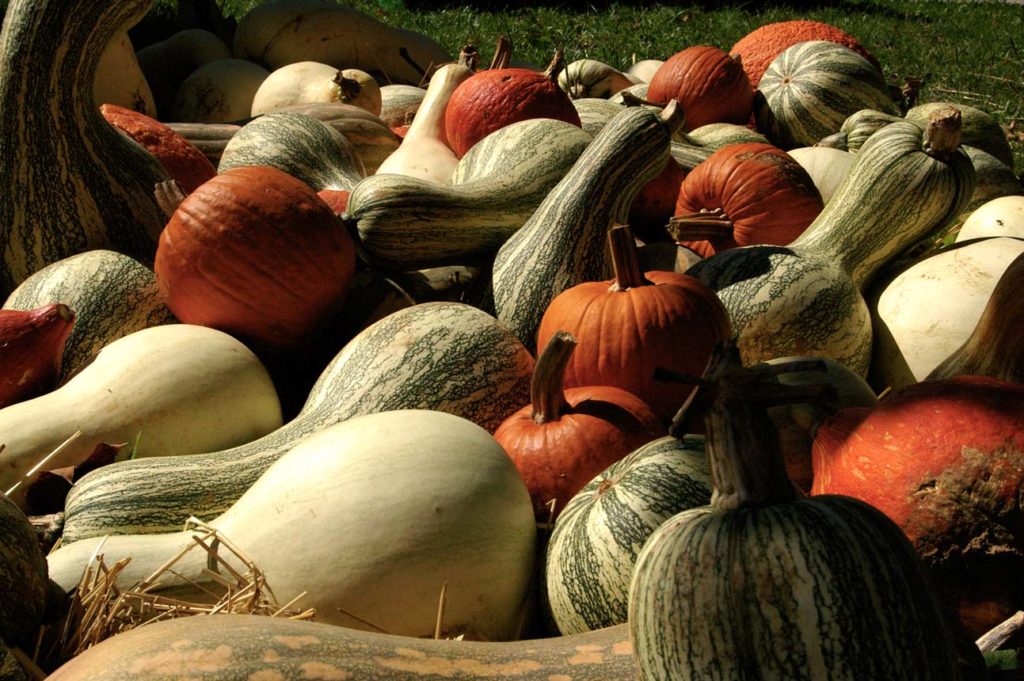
{"x": 176, "y": 389}
{"x": 371, "y": 518}
{"x": 1003, "y": 216}
{"x": 310, "y": 82}
{"x": 219, "y": 91}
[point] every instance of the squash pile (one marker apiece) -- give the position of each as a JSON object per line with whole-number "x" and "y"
{"x": 671, "y": 372}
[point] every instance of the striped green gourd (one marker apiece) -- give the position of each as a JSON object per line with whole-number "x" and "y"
{"x": 599, "y": 533}
{"x": 595, "y": 112}
{"x": 810, "y": 88}
{"x": 370, "y": 137}
{"x": 563, "y": 242}
{"x": 299, "y": 145}
{"x": 714, "y": 136}
{"x": 443, "y": 356}
{"x": 71, "y": 182}
{"x": 23, "y": 578}
{"x": 980, "y": 128}
{"x": 766, "y": 583}
{"x": 111, "y": 294}
{"x": 805, "y": 298}
{"x": 398, "y": 103}
{"x": 247, "y": 648}
{"x": 407, "y": 223}
{"x": 857, "y": 128}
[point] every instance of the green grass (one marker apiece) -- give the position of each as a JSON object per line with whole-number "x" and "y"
{"x": 965, "y": 52}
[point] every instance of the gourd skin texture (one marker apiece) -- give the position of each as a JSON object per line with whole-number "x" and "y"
{"x": 710, "y": 85}
{"x": 53, "y": 129}
{"x": 23, "y": 580}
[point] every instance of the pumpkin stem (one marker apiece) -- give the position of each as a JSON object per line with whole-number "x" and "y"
{"x": 546, "y": 395}
{"x": 469, "y": 57}
{"x": 710, "y": 225}
{"x": 942, "y": 137}
{"x": 673, "y": 116}
{"x": 168, "y": 196}
{"x": 996, "y": 346}
{"x": 348, "y": 88}
{"x": 839, "y": 140}
{"x": 556, "y": 66}
{"x": 502, "y": 53}
{"x": 625, "y": 260}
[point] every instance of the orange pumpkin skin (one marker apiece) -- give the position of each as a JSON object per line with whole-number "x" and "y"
{"x": 489, "y": 100}
{"x": 556, "y": 459}
{"x": 184, "y": 163}
{"x": 944, "y": 459}
{"x": 625, "y": 335}
{"x": 710, "y": 85}
{"x": 256, "y": 253}
{"x": 767, "y": 196}
{"x": 656, "y": 203}
{"x": 336, "y": 199}
{"x": 760, "y": 47}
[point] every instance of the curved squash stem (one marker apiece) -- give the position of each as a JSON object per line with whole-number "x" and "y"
{"x": 546, "y": 395}
{"x": 469, "y": 57}
{"x": 996, "y": 346}
{"x": 168, "y": 196}
{"x": 625, "y": 261}
{"x": 707, "y": 224}
{"x": 673, "y": 116}
{"x": 502, "y": 53}
{"x": 556, "y": 66}
{"x": 942, "y": 137}
{"x": 348, "y": 88}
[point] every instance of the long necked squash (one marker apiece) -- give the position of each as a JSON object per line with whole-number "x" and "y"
{"x": 71, "y": 181}
{"x": 247, "y": 648}
{"x": 369, "y": 519}
{"x": 563, "y": 242}
{"x": 172, "y": 389}
{"x": 408, "y": 223}
{"x": 444, "y": 356}
{"x": 805, "y": 298}
{"x": 764, "y": 583}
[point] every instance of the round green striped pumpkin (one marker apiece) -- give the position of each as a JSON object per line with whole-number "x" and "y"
{"x": 810, "y": 88}
{"x": 598, "y": 535}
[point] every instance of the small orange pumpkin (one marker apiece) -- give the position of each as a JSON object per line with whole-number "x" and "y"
{"x": 711, "y": 86}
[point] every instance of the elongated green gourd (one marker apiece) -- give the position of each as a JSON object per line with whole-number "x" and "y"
{"x": 562, "y": 244}
{"x": 805, "y": 298}
{"x": 443, "y": 356}
{"x": 71, "y": 182}
{"x": 407, "y": 223}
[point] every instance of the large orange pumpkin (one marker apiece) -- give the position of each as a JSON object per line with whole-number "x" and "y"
{"x": 256, "y": 253}
{"x": 636, "y": 323}
{"x": 710, "y": 85}
{"x": 744, "y": 194}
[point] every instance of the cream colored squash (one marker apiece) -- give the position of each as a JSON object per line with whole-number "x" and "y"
{"x": 1003, "y": 216}
{"x": 371, "y": 518}
{"x": 167, "y": 63}
{"x": 220, "y": 91}
{"x": 119, "y": 79}
{"x": 424, "y": 153}
{"x": 175, "y": 389}
{"x": 643, "y": 70}
{"x": 310, "y": 82}
{"x": 929, "y": 310}
{"x": 826, "y": 166}
{"x": 359, "y": 88}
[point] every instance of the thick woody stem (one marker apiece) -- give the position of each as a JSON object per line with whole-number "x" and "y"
{"x": 546, "y": 395}
{"x": 625, "y": 261}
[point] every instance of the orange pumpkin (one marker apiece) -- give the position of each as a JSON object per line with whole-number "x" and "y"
{"x": 710, "y": 85}
{"x": 636, "y": 323}
{"x": 491, "y": 99}
{"x": 563, "y": 439}
{"x": 744, "y": 194}
{"x": 256, "y": 253}
{"x": 656, "y": 203}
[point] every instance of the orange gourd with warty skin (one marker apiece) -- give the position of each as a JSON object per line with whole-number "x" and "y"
{"x": 636, "y": 323}
{"x": 256, "y": 253}
{"x": 564, "y": 438}
{"x": 711, "y": 86}
{"x": 744, "y": 194}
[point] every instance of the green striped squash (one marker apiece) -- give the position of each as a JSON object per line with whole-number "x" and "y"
{"x": 805, "y": 299}
{"x": 980, "y": 128}
{"x": 714, "y": 136}
{"x": 563, "y": 242}
{"x": 406, "y": 223}
{"x": 595, "y": 112}
{"x": 247, "y": 648}
{"x": 71, "y": 182}
{"x": 399, "y": 103}
{"x": 299, "y": 145}
{"x": 993, "y": 180}
{"x": 599, "y": 533}
{"x": 443, "y": 356}
{"x": 689, "y": 156}
{"x": 23, "y": 578}
{"x": 369, "y": 137}
{"x": 857, "y": 128}
{"x": 810, "y": 89}
{"x": 766, "y": 583}
{"x": 111, "y": 294}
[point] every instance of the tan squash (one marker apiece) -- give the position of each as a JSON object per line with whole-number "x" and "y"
{"x": 120, "y": 80}
{"x": 168, "y": 62}
{"x": 220, "y": 91}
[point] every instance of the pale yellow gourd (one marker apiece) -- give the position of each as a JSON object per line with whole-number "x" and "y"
{"x": 119, "y": 79}
{"x": 168, "y": 62}
{"x": 174, "y": 389}
{"x": 310, "y": 82}
{"x": 220, "y": 91}
{"x": 370, "y": 518}
{"x": 359, "y": 88}
{"x": 643, "y": 70}
{"x": 424, "y": 153}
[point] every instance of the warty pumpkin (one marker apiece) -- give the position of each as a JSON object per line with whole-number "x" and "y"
{"x": 256, "y": 253}
{"x": 709, "y": 84}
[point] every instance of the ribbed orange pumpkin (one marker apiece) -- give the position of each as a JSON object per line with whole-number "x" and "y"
{"x": 761, "y": 46}
{"x": 256, "y": 253}
{"x": 564, "y": 438}
{"x": 491, "y": 99}
{"x": 185, "y": 164}
{"x": 711, "y": 86}
{"x": 636, "y": 323}
{"x": 744, "y": 194}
